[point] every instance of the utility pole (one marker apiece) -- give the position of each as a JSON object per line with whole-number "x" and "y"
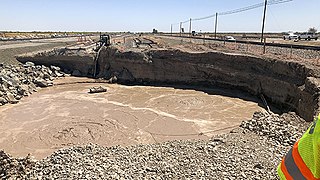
{"x": 171, "y": 29}
{"x": 180, "y": 27}
{"x": 215, "y": 26}
{"x": 264, "y": 19}
{"x": 190, "y": 28}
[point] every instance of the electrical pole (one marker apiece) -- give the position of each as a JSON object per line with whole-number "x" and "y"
{"x": 180, "y": 27}
{"x": 264, "y": 19}
{"x": 215, "y": 27}
{"x": 171, "y": 29}
{"x": 190, "y": 28}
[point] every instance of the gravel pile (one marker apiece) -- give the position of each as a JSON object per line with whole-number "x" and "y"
{"x": 240, "y": 154}
{"x": 21, "y": 80}
{"x": 284, "y": 130}
{"x": 14, "y": 168}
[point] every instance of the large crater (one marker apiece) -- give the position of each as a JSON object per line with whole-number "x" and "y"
{"x": 66, "y": 115}
{"x": 172, "y": 94}
{"x": 291, "y": 86}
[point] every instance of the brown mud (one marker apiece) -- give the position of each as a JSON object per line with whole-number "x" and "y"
{"x": 67, "y": 115}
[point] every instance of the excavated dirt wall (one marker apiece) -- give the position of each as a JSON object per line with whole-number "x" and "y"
{"x": 290, "y": 85}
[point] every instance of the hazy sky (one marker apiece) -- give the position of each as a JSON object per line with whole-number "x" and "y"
{"x": 144, "y": 15}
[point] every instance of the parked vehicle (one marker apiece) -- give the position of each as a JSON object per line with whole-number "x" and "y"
{"x": 229, "y": 38}
{"x": 308, "y": 36}
{"x": 194, "y": 33}
{"x": 290, "y": 36}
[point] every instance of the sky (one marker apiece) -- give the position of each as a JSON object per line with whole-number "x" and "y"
{"x": 144, "y": 15}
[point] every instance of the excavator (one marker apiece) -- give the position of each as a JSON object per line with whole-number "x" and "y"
{"x": 104, "y": 41}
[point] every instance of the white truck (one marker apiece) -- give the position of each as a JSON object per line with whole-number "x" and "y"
{"x": 308, "y": 36}
{"x": 289, "y": 36}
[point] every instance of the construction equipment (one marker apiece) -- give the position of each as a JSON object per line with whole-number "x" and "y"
{"x": 105, "y": 40}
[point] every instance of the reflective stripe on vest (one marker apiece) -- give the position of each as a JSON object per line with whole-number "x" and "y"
{"x": 302, "y": 161}
{"x": 289, "y": 167}
{"x": 293, "y": 167}
{"x": 309, "y": 149}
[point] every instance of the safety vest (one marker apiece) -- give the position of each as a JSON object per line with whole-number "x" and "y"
{"x": 303, "y": 160}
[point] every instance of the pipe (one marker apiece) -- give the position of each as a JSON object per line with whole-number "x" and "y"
{"x": 96, "y": 60}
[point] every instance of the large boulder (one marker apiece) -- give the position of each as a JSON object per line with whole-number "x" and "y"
{"x": 23, "y": 90}
{"x": 42, "y": 83}
{"x": 4, "y": 79}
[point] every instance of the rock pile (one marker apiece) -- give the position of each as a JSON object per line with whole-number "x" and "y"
{"x": 12, "y": 168}
{"x": 21, "y": 80}
{"x": 240, "y": 154}
{"x": 223, "y": 157}
{"x": 284, "y": 130}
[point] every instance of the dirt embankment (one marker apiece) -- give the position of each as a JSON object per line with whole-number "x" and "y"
{"x": 292, "y": 86}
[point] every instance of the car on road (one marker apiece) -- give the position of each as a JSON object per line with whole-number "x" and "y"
{"x": 308, "y": 36}
{"x": 229, "y": 38}
{"x": 290, "y": 36}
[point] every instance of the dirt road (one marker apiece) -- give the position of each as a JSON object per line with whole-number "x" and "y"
{"x": 10, "y": 49}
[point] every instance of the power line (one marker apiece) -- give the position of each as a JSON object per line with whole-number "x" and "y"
{"x": 271, "y": 2}
{"x": 203, "y": 18}
{"x": 279, "y": 2}
{"x": 254, "y": 6}
{"x": 241, "y": 9}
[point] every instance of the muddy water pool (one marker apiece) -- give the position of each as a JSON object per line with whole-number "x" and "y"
{"x": 67, "y": 115}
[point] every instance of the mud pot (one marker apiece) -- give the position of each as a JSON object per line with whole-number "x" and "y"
{"x": 67, "y": 115}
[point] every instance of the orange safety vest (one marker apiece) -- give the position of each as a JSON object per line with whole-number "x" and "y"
{"x": 303, "y": 160}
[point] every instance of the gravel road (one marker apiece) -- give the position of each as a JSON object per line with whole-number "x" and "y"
{"x": 310, "y": 57}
